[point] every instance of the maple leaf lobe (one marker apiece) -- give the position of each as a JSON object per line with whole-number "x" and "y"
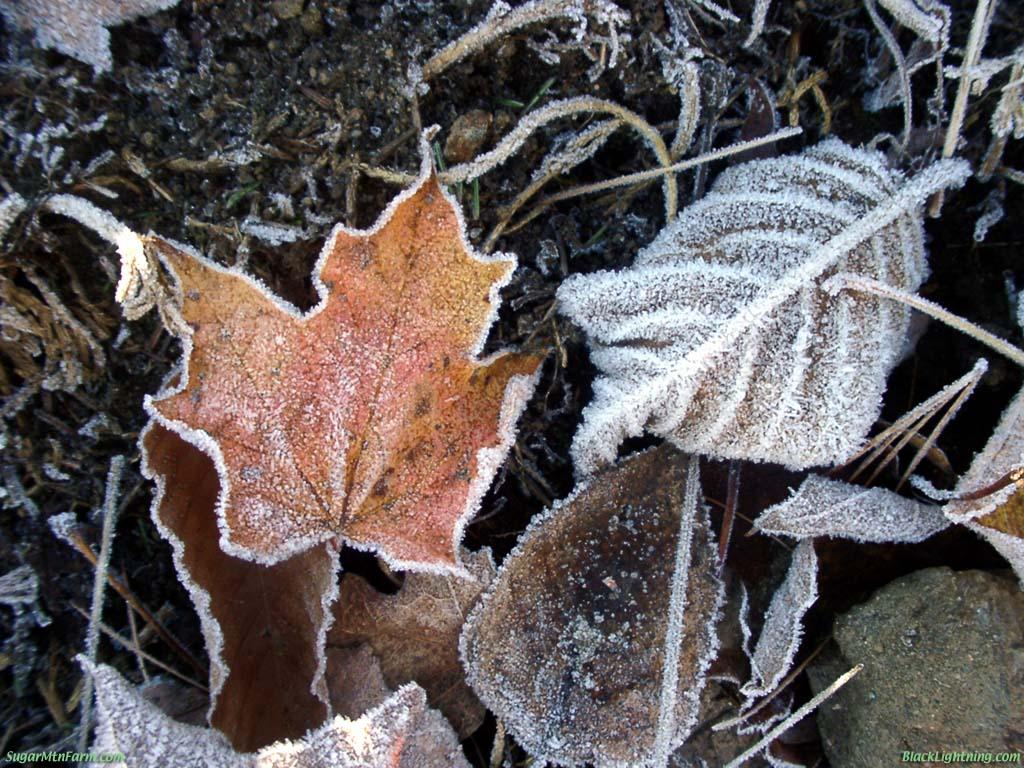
{"x": 368, "y": 416}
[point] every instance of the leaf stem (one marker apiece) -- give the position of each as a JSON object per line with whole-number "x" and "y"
{"x": 848, "y": 281}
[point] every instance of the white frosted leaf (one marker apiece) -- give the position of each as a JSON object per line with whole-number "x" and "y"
{"x": 720, "y": 336}
{"x": 593, "y": 644}
{"x": 824, "y": 507}
{"x": 395, "y": 734}
{"x": 78, "y": 28}
{"x": 780, "y": 637}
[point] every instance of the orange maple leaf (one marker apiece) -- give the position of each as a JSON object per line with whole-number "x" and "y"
{"x": 369, "y": 417}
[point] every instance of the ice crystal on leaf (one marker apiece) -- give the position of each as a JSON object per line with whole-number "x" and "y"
{"x": 992, "y": 499}
{"x": 593, "y": 644}
{"x": 720, "y": 336}
{"x": 823, "y": 507}
{"x": 78, "y": 28}
{"x": 369, "y": 417}
{"x": 415, "y": 632}
{"x": 264, "y": 626}
{"x": 780, "y": 636}
{"x": 384, "y": 737}
{"x": 357, "y": 685}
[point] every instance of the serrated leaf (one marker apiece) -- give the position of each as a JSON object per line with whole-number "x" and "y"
{"x": 415, "y": 633}
{"x": 368, "y": 417}
{"x": 825, "y": 507}
{"x": 721, "y": 336}
{"x": 264, "y": 626}
{"x": 997, "y": 516}
{"x": 384, "y": 737}
{"x": 594, "y": 642}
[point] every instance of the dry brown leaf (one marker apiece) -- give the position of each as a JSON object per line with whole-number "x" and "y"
{"x": 355, "y": 681}
{"x": 399, "y": 733}
{"x": 369, "y": 417}
{"x": 357, "y": 685}
{"x": 415, "y": 633}
{"x": 995, "y": 509}
{"x": 594, "y": 642}
{"x": 264, "y": 625}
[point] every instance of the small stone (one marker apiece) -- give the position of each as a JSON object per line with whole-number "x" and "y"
{"x": 943, "y": 656}
{"x": 287, "y": 9}
{"x": 468, "y": 133}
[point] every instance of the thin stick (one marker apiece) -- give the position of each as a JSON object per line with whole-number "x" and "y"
{"x": 496, "y": 26}
{"x": 937, "y": 430}
{"x": 975, "y": 42}
{"x": 793, "y": 675}
{"x": 567, "y": 108}
{"x": 127, "y": 643}
{"x": 901, "y": 68}
{"x": 795, "y": 718}
{"x": 74, "y": 538}
{"x": 557, "y": 165}
{"x": 848, "y": 281}
{"x": 133, "y": 626}
{"x": 731, "y": 501}
{"x": 644, "y": 176}
{"x": 92, "y": 636}
{"x": 905, "y": 423}
{"x": 666, "y": 727}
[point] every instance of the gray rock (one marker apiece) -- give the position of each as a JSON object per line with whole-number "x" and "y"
{"x": 943, "y": 656}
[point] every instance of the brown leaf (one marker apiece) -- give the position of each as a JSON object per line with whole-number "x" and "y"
{"x": 357, "y": 685}
{"x": 991, "y": 502}
{"x": 573, "y": 647}
{"x": 264, "y": 625}
{"x": 367, "y": 418}
{"x": 399, "y": 733}
{"x": 415, "y": 633}
{"x": 355, "y": 681}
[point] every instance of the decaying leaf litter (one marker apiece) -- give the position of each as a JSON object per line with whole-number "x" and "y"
{"x": 226, "y": 162}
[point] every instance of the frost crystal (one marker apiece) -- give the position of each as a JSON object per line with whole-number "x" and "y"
{"x": 720, "y": 337}
{"x": 130, "y": 725}
{"x": 780, "y": 637}
{"x": 78, "y": 28}
{"x": 823, "y": 507}
{"x": 997, "y": 517}
{"x": 594, "y": 642}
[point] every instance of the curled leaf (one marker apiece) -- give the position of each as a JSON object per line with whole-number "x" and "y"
{"x": 384, "y": 737}
{"x": 721, "y": 337}
{"x": 824, "y": 507}
{"x": 780, "y": 637}
{"x": 369, "y": 417}
{"x": 264, "y": 626}
{"x": 593, "y": 644}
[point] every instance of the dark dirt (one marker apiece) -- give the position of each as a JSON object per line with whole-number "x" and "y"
{"x": 317, "y": 93}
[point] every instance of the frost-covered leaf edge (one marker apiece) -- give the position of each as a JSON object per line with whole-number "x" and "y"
{"x": 489, "y": 459}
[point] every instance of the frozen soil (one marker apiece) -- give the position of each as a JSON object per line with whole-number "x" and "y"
{"x": 216, "y": 113}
